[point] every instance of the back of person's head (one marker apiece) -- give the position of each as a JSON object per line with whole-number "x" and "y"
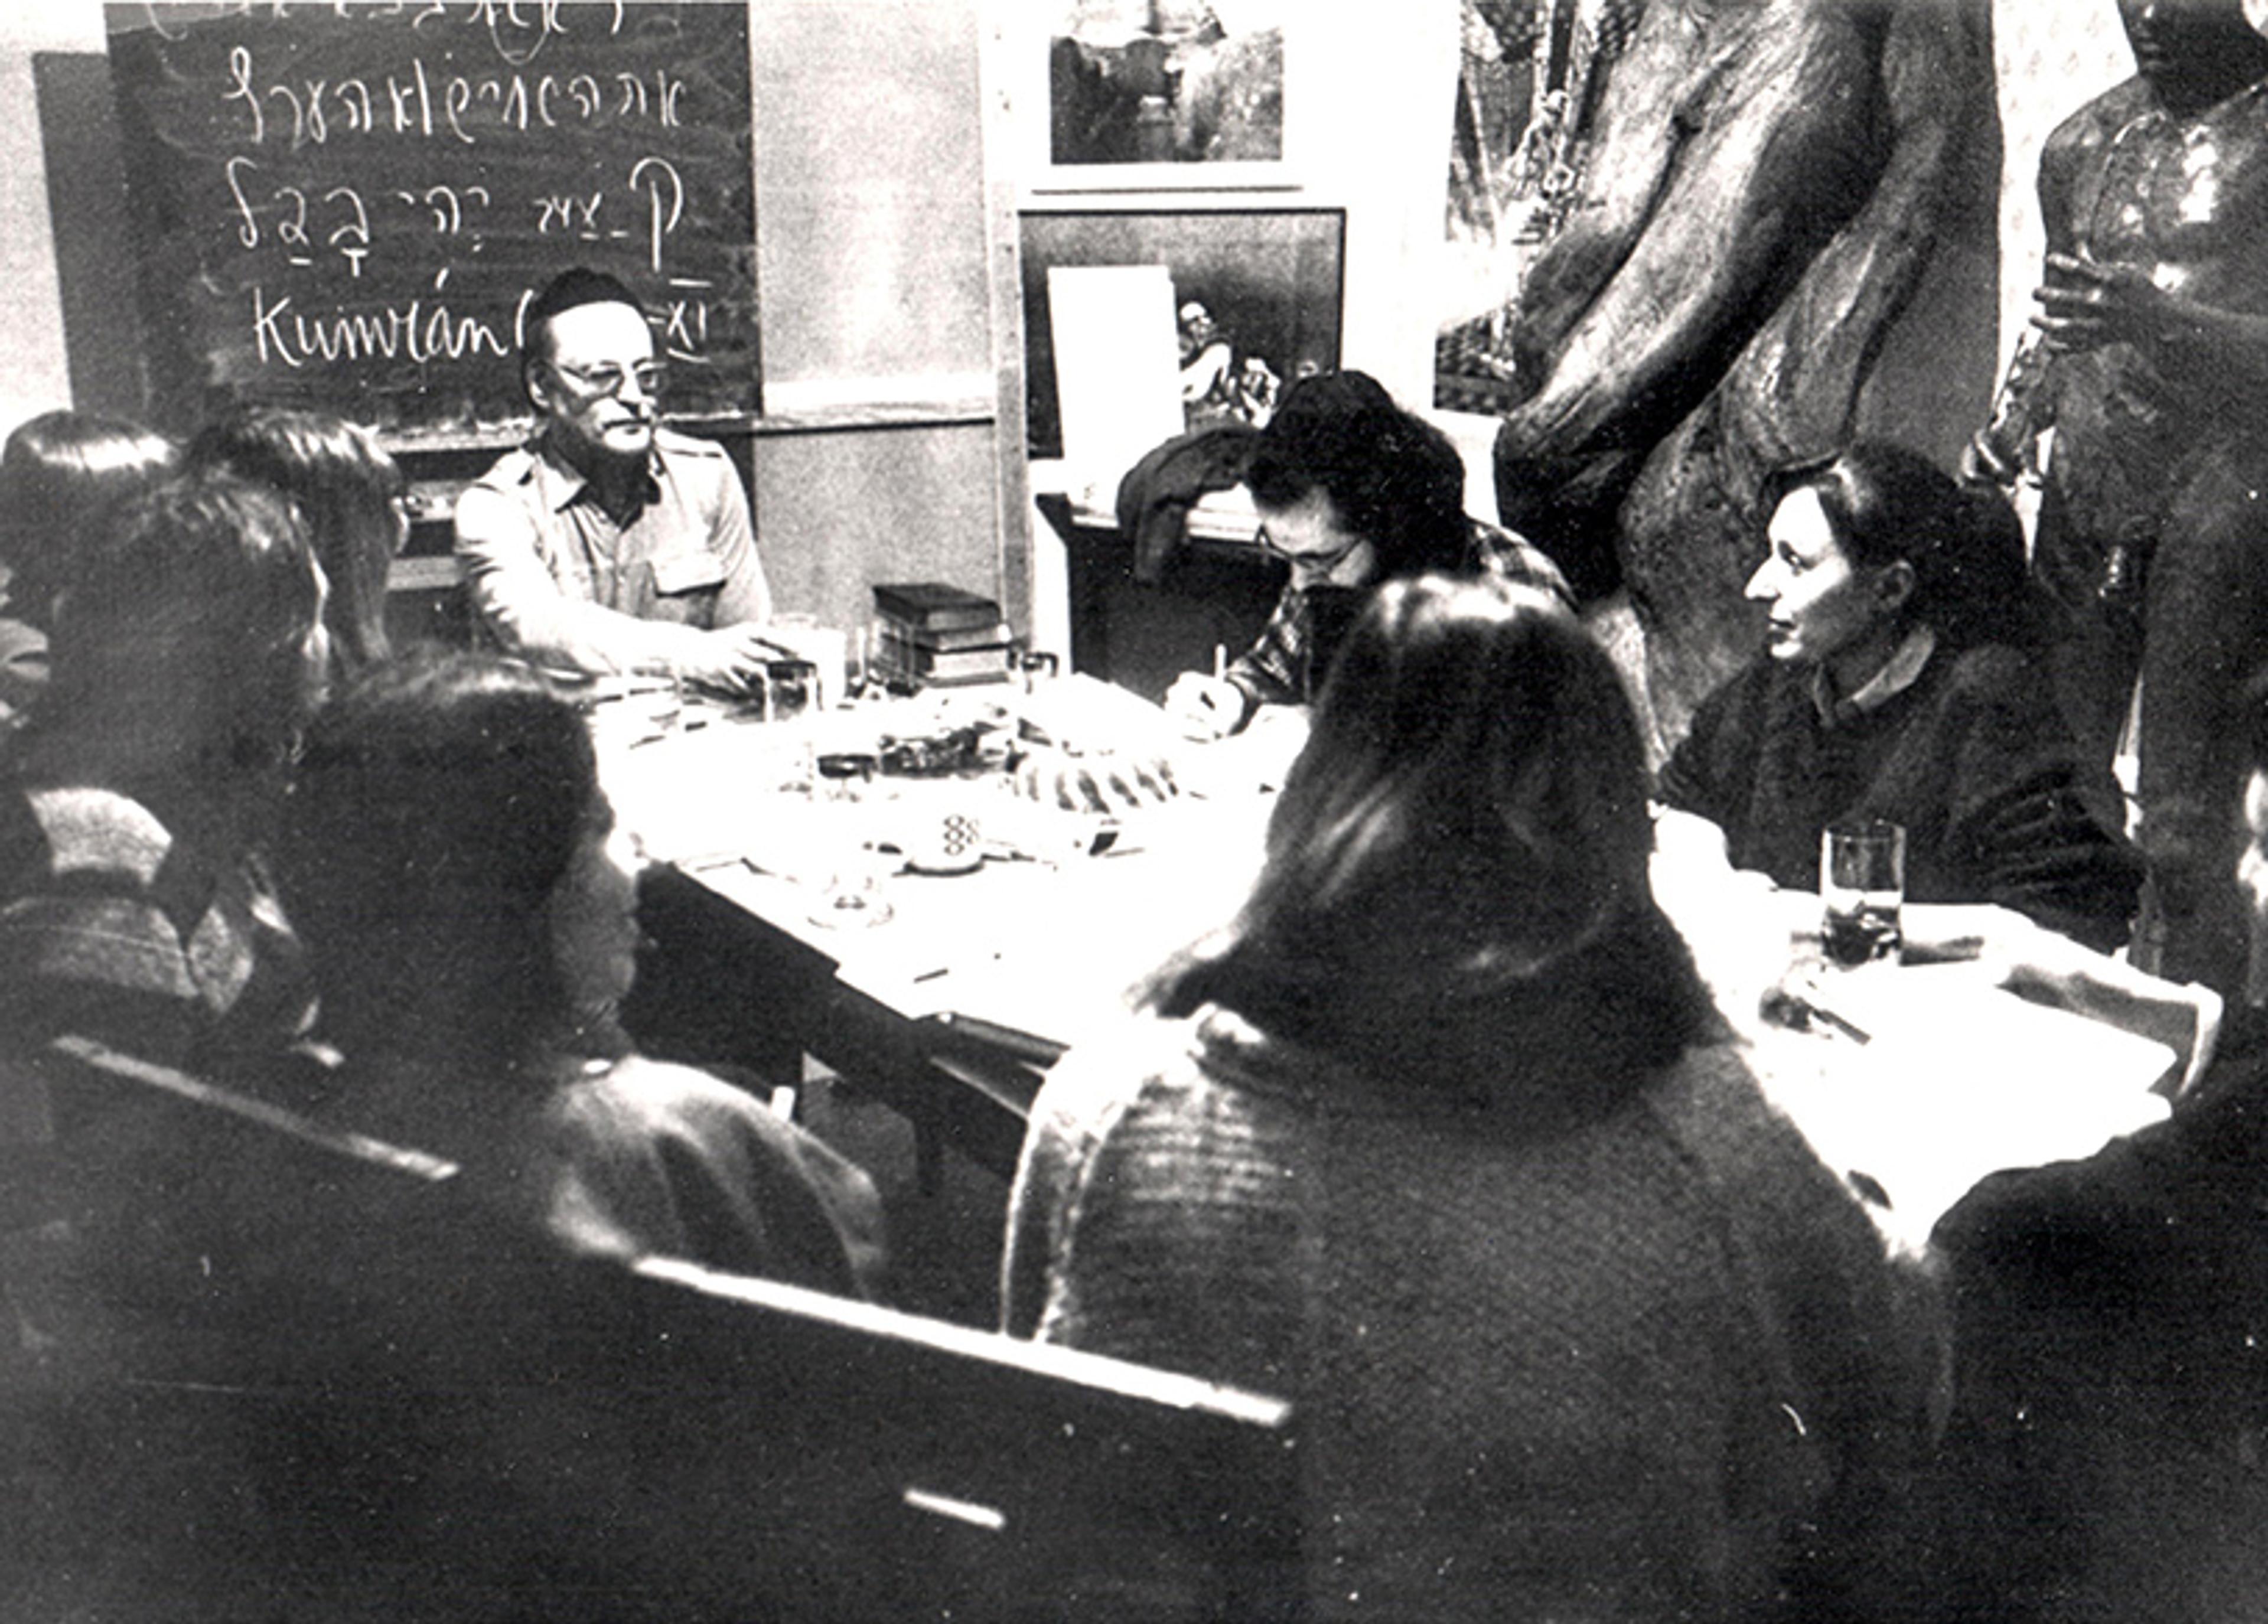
{"x": 1885, "y": 504}
{"x": 439, "y": 801}
{"x": 1396, "y": 479}
{"x": 58, "y": 473}
{"x": 193, "y": 626}
{"x": 348, "y": 489}
{"x": 1467, "y": 829}
{"x": 570, "y": 289}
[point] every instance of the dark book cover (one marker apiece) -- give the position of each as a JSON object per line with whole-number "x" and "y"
{"x": 933, "y": 606}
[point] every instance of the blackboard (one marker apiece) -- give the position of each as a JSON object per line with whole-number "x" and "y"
{"x": 347, "y": 205}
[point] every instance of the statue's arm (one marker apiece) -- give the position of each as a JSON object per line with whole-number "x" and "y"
{"x": 2021, "y": 410}
{"x": 1799, "y": 377}
{"x": 1754, "y": 165}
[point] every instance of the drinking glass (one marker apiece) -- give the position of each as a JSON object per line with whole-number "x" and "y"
{"x": 854, "y": 895}
{"x": 1862, "y": 885}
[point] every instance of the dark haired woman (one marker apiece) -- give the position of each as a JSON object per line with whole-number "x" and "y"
{"x": 134, "y": 904}
{"x": 1895, "y": 686}
{"x": 59, "y": 472}
{"x": 1442, "y": 1140}
{"x": 349, "y": 491}
{"x": 469, "y": 907}
{"x": 1351, "y": 490}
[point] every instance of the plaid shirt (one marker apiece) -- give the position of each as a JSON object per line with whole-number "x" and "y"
{"x": 1274, "y": 670}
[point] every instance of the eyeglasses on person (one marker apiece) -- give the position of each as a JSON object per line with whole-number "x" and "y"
{"x": 609, "y": 378}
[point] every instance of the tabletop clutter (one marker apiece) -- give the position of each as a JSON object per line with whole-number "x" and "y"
{"x": 872, "y": 803}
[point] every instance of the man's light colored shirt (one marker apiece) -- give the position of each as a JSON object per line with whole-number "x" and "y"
{"x": 558, "y": 578}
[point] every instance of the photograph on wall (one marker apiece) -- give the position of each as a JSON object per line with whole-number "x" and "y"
{"x": 1137, "y": 89}
{"x": 1529, "y": 77}
{"x": 1255, "y": 302}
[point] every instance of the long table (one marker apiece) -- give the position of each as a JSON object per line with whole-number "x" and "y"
{"x": 952, "y": 1008}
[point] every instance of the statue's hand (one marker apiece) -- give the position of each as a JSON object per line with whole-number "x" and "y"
{"x": 2085, "y": 304}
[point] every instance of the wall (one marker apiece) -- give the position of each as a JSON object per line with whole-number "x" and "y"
{"x": 2049, "y": 60}
{"x": 38, "y": 376}
{"x": 872, "y": 245}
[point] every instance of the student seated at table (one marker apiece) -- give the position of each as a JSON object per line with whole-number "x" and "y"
{"x": 1351, "y": 490}
{"x": 469, "y": 906}
{"x": 1894, "y": 685}
{"x": 135, "y": 905}
{"x": 2112, "y": 1315}
{"x": 350, "y": 494}
{"x": 607, "y": 542}
{"x": 1443, "y": 1140}
{"x": 58, "y": 473}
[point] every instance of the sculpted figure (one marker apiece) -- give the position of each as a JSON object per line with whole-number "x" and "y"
{"x": 1768, "y": 181}
{"x": 2150, "y": 361}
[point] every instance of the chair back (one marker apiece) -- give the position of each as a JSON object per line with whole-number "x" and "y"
{"x": 358, "y": 1375}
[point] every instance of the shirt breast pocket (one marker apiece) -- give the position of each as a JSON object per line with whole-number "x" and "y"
{"x": 681, "y": 573}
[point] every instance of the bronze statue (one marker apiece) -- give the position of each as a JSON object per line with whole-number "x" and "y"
{"x": 2150, "y": 361}
{"x": 1769, "y": 182}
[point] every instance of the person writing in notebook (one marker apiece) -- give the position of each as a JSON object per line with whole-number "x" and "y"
{"x": 607, "y": 542}
{"x": 1351, "y": 491}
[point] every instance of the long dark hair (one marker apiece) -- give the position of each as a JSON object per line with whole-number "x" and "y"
{"x": 1885, "y": 505}
{"x": 59, "y": 473}
{"x": 438, "y": 803}
{"x": 1456, "y": 888}
{"x": 1396, "y": 479}
{"x": 345, "y": 486}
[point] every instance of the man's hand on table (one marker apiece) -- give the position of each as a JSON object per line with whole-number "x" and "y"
{"x": 731, "y": 658}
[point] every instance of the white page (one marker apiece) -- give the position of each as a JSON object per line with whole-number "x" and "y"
{"x": 1117, "y": 367}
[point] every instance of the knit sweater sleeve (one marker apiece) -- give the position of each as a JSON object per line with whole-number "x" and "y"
{"x": 2024, "y": 816}
{"x": 1160, "y": 1199}
{"x": 1710, "y": 771}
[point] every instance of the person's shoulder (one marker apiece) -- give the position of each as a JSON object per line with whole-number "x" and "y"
{"x": 1747, "y": 1153}
{"x": 88, "y": 829}
{"x": 1511, "y": 556}
{"x": 1755, "y": 687}
{"x": 689, "y": 450}
{"x": 1108, "y": 1069}
{"x": 1998, "y": 676}
{"x": 501, "y": 499}
{"x": 2093, "y": 123}
{"x": 510, "y": 471}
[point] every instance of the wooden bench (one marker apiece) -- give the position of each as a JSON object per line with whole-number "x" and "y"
{"x": 311, "y": 1375}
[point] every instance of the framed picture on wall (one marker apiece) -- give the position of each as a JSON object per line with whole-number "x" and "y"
{"x": 1257, "y": 300}
{"x": 1152, "y": 95}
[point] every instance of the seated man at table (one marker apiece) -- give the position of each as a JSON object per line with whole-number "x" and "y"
{"x": 607, "y": 542}
{"x": 2112, "y": 1316}
{"x": 1351, "y": 491}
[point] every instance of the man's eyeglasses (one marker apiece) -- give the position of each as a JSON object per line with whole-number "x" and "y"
{"x": 609, "y": 378}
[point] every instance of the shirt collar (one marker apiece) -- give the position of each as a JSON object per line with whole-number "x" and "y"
{"x": 1898, "y": 674}
{"x": 558, "y": 482}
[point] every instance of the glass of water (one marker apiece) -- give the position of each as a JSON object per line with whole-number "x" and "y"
{"x": 1862, "y": 885}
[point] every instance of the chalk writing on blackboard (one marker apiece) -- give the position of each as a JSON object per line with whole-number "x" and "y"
{"x": 350, "y": 205}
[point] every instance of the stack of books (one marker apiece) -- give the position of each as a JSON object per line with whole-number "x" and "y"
{"x": 933, "y": 635}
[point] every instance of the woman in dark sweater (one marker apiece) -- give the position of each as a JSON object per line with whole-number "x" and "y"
{"x": 1443, "y": 1140}
{"x": 1895, "y": 686}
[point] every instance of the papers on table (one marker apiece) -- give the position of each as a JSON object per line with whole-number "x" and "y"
{"x": 1958, "y": 1080}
